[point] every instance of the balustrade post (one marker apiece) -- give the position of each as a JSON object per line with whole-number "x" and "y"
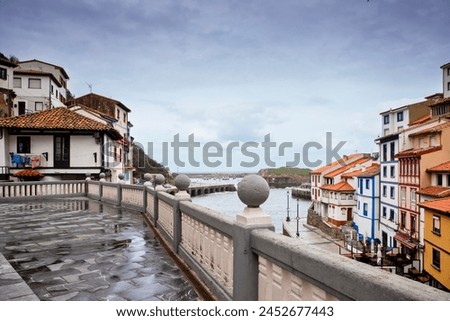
{"x": 182, "y": 183}
{"x": 253, "y": 191}
{"x": 100, "y": 187}
{"x": 159, "y": 180}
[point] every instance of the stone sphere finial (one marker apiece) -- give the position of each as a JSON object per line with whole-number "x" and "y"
{"x": 121, "y": 176}
{"x": 253, "y": 190}
{"x": 102, "y": 175}
{"x": 148, "y": 177}
{"x": 182, "y": 182}
{"x": 160, "y": 179}
{"x": 88, "y": 176}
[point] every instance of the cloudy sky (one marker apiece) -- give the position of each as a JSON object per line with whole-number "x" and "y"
{"x": 230, "y": 72}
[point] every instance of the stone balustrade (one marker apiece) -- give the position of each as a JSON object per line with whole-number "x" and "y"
{"x": 239, "y": 258}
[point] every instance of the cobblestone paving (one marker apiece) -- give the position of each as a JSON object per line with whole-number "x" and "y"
{"x": 83, "y": 250}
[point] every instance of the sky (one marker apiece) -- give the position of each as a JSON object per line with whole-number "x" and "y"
{"x": 307, "y": 77}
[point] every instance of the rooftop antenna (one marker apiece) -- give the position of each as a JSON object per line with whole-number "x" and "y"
{"x": 90, "y": 86}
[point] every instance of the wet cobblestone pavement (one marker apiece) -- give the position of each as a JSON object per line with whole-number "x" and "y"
{"x": 83, "y": 250}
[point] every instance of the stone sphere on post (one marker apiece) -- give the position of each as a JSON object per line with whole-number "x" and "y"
{"x": 148, "y": 179}
{"x": 182, "y": 183}
{"x": 159, "y": 181}
{"x": 102, "y": 177}
{"x": 253, "y": 191}
{"x": 88, "y": 176}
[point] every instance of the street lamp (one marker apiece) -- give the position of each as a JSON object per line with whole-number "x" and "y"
{"x": 288, "y": 219}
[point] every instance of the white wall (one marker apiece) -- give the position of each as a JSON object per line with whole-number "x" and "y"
{"x": 82, "y": 149}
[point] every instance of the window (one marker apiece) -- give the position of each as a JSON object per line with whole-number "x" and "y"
{"x": 39, "y": 105}
{"x": 448, "y": 180}
{"x": 400, "y": 116}
{"x": 3, "y": 73}
{"x": 124, "y": 117}
{"x": 365, "y": 209}
{"x": 413, "y": 224}
{"x": 392, "y": 151}
{"x": 384, "y": 211}
{"x": 24, "y": 144}
{"x": 34, "y": 83}
{"x": 392, "y": 192}
{"x": 433, "y": 141}
{"x": 17, "y": 82}
{"x": 384, "y": 171}
{"x": 413, "y": 198}
{"x": 118, "y": 114}
{"x": 437, "y": 224}
{"x": 436, "y": 259}
{"x": 403, "y": 196}
{"x": 391, "y": 215}
{"x": 448, "y": 85}
{"x": 358, "y": 205}
{"x": 386, "y": 119}
{"x": 384, "y": 190}
{"x": 403, "y": 219}
{"x": 367, "y": 183}
{"x": 448, "y": 71}
{"x": 384, "y": 152}
{"x": 393, "y": 171}
{"x": 439, "y": 179}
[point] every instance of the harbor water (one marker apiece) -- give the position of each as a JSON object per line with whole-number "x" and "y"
{"x": 276, "y": 205}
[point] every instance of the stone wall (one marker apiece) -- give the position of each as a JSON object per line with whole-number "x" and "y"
{"x": 315, "y": 220}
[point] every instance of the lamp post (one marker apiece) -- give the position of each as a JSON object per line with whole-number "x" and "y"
{"x": 298, "y": 219}
{"x": 288, "y": 219}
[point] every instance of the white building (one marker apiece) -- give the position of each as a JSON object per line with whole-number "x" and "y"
{"x": 115, "y": 114}
{"x": 367, "y": 215}
{"x": 59, "y": 143}
{"x": 38, "y": 86}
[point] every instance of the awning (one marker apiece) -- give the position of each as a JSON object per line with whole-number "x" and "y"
{"x": 405, "y": 240}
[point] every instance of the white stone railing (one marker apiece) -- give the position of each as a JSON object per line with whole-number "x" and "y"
{"x": 165, "y": 212}
{"x": 133, "y": 196}
{"x": 241, "y": 258}
{"x": 206, "y": 237}
{"x": 41, "y": 189}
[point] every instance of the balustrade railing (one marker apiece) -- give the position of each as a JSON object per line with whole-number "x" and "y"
{"x": 239, "y": 258}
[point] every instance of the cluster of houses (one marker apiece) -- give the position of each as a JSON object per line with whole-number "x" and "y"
{"x": 47, "y": 133}
{"x": 398, "y": 197}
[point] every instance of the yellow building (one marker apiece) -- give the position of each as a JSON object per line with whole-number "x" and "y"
{"x": 437, "y": 241}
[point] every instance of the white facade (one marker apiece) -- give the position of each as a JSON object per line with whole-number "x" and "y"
{"x": 6, "y": 74}
{"x": 38, "y": 86}
{"x": 84, "y": 154}
{"x": 446, "y": 80}
{"x": 367, "y": 214}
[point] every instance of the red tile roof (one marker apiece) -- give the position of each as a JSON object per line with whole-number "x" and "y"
{"x": 444, "y": 167}
{"x": 440, "y": 101}
{"x": 417, "y": 152}
{"x": 436, "y": 191}
{"x": 439, "y": 205}
{"x": 347, "y": 167}
{"x": 420, "y": 120}
{"x": 57, "y": 118}
{"x": 370, "y": 171}
{"x": 346, "y": 159}
{"x": 339, "y": 187}
{"x": 432, "y": 130}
